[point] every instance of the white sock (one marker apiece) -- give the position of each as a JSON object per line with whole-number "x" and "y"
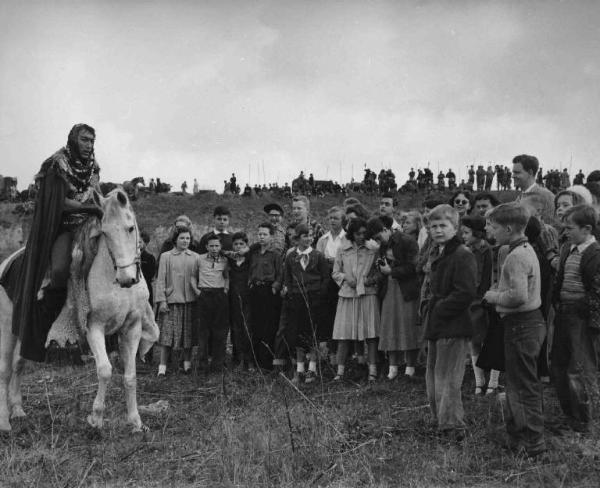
{"x": 187, "y": 365}
{"x": 494, "y": 375}
{"x": 479, "y": 373}
{"x": 300, "y": 367}
{"x": 340, "y": 369}
{"x": 162, "y": 369}
{"x": 409, "y": 371}
{"x": 393, "y": 372}
{"x": 372, "y": 370}
{"x": 312, "y": 366}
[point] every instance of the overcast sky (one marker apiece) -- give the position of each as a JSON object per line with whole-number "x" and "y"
{"x": 185, "y": 89}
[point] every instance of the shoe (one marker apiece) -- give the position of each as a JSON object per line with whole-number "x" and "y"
{"x": 310, "y": 377}
{"x": 479, "y": 391}
{"x": 160, "y": 374}
{"x": 493, "y": 390}
{"x": 297, "y": 379}
{"x": 187, "y": 371}
{"x": 338, "y": 378}
{"x": 372, "y": 378}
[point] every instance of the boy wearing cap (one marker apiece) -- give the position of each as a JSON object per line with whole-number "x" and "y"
{"x": 275, "y": 214}
{"x": 473, "y": 235}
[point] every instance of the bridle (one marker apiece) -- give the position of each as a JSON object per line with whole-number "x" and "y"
{"x": 137, "y": 260}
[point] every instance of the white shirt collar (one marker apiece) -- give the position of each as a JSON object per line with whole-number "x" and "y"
{"x": 307, "y": 251}
{"x": 584, "y": 245}
{"x": 216, "y": 232}
{"x": 329, "y": 235}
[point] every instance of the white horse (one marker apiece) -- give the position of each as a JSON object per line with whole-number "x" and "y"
{"x": 118, "y": 302}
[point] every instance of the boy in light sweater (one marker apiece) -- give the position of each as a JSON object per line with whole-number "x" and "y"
{"x": 517, "y": 299}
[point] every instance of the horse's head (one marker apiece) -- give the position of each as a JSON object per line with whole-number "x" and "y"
{"x": 122, "y": 236}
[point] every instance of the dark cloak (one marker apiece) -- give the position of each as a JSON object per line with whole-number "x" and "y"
{"x": 30, "y": 322}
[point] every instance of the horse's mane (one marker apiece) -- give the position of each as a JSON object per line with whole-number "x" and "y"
{"x": 85, "y": 247}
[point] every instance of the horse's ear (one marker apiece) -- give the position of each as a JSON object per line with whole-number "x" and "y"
{"x": 122, "y": 198}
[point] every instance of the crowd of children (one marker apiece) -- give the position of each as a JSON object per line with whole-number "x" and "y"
{"x": 471, "y": 277}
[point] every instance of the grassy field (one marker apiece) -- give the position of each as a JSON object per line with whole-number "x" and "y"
{"x": 242, "y": 429}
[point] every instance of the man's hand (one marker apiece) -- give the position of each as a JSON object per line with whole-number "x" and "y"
{"x": 92, "y": 210}
{"x": 490, "y": 297}
{"x": 385, "y": 269}
{"x": 163, "y": 307}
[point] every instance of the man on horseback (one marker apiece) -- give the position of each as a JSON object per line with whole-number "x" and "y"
{"x": 38, "y": 287}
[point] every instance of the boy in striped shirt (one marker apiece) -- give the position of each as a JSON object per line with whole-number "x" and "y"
{"x": 577, "y": 322}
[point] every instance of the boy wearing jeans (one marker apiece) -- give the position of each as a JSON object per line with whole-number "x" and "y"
{"x": 577, "y": 322}
{"x": 448, "y": 328}
{"x": 517, "y": 300}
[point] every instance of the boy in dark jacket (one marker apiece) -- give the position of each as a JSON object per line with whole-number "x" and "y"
{"x": 577, "y": 322}
{"x": 305, "y": 281}
{"x": 239, "y": 307}
{"x": 448, "y": 329}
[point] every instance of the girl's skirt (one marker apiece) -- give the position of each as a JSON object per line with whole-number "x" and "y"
{"x": 399, "y": 329}
{"x": 176, "y": 326}
{"x": 356, "y": 318}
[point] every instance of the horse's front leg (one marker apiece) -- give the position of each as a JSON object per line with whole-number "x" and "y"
{"x": 95, "y": 337}
{"x": 128, "y": 346}
{"x": 7, "y": 346}
{"x": 15, "y": 399}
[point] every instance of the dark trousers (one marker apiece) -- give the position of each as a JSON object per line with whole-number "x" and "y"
{"x": 60, "y": 261}
{"x": 329, "y": 310}
{"x": 239, "y": 319}
{"x": 302, "y": 315}
{"x": 574, "y": 364}
{"x": 523, "y": 337}
{"x": 264, "y": 312}
{"x": 213, "y": 326}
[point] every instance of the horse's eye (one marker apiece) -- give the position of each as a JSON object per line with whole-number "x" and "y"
{"x": 131, "y": 229}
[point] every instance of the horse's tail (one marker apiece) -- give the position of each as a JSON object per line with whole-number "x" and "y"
{"x": 150, "y": 331}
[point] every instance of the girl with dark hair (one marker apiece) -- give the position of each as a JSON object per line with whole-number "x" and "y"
{"x": 462, "y": 202}
{"x": 399, "y": 334}
{"x": 175, "y": 296}
{"x": 473, "y": 234}
{"x": 357, "y": 315}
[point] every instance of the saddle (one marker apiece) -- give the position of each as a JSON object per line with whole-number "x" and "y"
{"x": 71, "y": 324}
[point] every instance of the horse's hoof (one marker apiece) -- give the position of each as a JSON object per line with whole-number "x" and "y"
{"x": 94, "y": 422}
{"x": 18, "y": 412}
